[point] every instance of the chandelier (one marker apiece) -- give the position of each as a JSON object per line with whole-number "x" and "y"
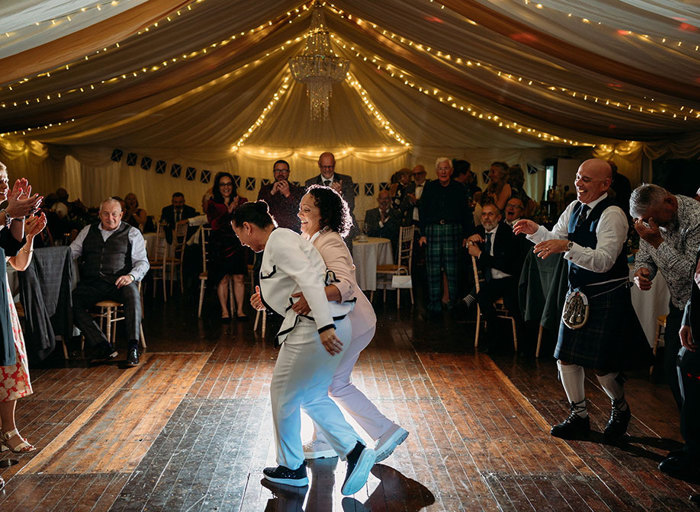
{"x": 317, "y": 66}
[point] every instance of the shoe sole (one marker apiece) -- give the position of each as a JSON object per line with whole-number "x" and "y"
{"x": 392, "y": 443}
{"x": 359, "y": 475}
{"x": 321, "y": 454}
{"x": 294, "y": 482}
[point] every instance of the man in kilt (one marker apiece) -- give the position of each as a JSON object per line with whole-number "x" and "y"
{"x": 591, "y": 232}
{"x": 445, "y": 224}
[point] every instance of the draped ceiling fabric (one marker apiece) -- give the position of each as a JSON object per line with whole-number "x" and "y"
{"x": 511, "y": 80}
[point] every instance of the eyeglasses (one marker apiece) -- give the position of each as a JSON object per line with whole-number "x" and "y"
{"x": 280, "y": 170}
{"x": 226, "y": 184}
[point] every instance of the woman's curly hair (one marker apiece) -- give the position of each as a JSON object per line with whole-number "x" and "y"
{"x": 335, "y": 213}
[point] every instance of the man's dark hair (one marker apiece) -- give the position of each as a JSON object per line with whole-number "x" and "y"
{"x": 281, "y": 162}
{"x": 460, "y": 167}
{"x": 178, "y": 194}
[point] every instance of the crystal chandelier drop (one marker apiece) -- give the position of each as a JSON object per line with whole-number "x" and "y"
{"x": 317, "y": 66}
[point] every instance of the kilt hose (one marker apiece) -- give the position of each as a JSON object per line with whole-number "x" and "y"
{"x": 600, "y": 343}
{"x": 442, "y": 251}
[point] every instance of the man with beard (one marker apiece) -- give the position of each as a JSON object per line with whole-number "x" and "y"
{"x": 669, "y": 232}
{"x": 282, "y": 197}
{"x": 496, "y": 250}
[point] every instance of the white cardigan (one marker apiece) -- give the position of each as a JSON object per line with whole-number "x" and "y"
{"x": 289, "y": 265}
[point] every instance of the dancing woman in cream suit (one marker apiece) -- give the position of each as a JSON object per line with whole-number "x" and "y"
{"x": 325, "y": 220}
{"x": 310, "y": 352}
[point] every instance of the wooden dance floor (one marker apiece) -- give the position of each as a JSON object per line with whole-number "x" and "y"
{"x": 190, "y": 430}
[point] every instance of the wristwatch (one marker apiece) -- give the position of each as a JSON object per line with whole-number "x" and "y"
{"x": 569, "y": 246}
{"x": 8, "y": 219}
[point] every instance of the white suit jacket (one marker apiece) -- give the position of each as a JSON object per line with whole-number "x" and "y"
{"x": 289, "y": 265}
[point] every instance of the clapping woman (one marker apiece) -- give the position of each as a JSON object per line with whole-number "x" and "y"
{"x": 14, "y": 371}
{"x": 312, "y": 347}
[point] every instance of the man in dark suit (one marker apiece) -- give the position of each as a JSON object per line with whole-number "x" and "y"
{"x": 414, "y": 191}
{"x": 496, "y": 249}
{"x": 342, "y": 183}
{"x": 384, "y": 221}
{"x": 685, "y": 463}
{"x": 177, "y": 212}
{"x": 282, "y": 197}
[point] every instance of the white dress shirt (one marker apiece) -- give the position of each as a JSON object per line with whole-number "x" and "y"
{"x": 611, "y": 233}
{"x": 139, "y": 258}
{"x": 495, "y": 273}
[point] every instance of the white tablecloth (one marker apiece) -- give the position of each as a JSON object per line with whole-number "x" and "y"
{"x": 367, "y": 255}
{"x": 651, "y": 304}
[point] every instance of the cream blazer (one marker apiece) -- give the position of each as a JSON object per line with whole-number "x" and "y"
{"x": 337, "y": 258}
{"x": 289, "y": 265}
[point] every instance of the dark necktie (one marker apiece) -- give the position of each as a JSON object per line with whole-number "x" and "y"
{"x": 487, "y": 250}
{"x": 178, "y": 214}
{"x": 327, "y": 183}
{"x": 582, "y": 215}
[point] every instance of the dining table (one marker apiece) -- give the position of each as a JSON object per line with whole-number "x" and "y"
{"x": 367, "y": 253}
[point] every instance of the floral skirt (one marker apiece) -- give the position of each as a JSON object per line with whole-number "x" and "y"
{"x": 14, "y": 380}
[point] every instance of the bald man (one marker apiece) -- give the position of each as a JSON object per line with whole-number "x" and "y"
{"x": 591, "y": 234}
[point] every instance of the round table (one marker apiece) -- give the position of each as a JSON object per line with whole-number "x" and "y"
{"x": 367, "y": 254}
{"x": 650, "y": 304}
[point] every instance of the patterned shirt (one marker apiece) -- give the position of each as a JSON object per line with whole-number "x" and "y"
{"x": 675, "y": 257}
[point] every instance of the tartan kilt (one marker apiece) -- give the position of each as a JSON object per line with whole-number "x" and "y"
{"x": 599, "y": 344}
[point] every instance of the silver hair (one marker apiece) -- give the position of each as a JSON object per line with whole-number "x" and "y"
{"x": 109, "y": 200}
{"x": 442, "y": 159}
{"x": 644, "y": 197}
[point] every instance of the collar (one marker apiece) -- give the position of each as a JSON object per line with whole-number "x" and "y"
{"x": 493, "y": 231}
{"x": 332, "y": 178}
{"x": 593, "y": 204}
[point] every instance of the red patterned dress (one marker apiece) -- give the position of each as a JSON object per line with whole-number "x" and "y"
{"x": 14, "y": 380}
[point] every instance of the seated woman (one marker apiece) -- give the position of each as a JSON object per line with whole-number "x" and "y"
{"x": 325, "y": 220}
{"x": 227, "y": 257}
{"x": 133, "y": 215}
{"x": 310, "y": 352}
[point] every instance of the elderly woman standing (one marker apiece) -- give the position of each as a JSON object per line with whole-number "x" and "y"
{"x": 311, "y": 350}
{"x": 14, "y": 371}
{"x": 325, "y": 220}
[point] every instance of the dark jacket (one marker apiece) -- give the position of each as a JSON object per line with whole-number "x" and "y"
{"x": 691, "y": 315}
{"x": 389, "y": 230}
{"x": 45, "y": 290}
{"x": 167, "y": 216}
{"x": 347, "y": 188}
{"x": 506, "y": 252}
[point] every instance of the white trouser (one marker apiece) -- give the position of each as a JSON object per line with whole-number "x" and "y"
{"x": 354, "y": 401}
{"x": 301, "y": 378}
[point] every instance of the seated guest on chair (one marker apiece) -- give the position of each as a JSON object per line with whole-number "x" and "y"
{"x": 496, "y": 249}
{"x": 282, "y": 197}
{"x": 177, "y": 212}
{"x": 112, "y": 259}
{"x": 384, "y": 221}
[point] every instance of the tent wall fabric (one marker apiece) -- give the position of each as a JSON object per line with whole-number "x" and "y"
{"x": 206, "y": 84}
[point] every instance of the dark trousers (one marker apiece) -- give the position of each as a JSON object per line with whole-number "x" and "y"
{"x": 689, "y": 385}
{"x": 494, "y": 289}
{"x": 90, "y": 292}
{"x": 672, "y": 344}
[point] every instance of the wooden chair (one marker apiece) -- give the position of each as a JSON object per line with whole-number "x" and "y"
{"x": 204, "y": 234}
{"x": 110, "y": 312}
{"x": 159, "y": 261}
{"x": 403, "y": 265}
{"x": 177, "y": 257}
{"x": 501, "y": 311}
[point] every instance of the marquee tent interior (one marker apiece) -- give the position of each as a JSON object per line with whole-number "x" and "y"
{"x": 206, "y": 85}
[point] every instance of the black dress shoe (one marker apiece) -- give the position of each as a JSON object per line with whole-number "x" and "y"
{"x": 104, "y": 352}
{"x": 360, "y": 462}
{"x": 132, "y": 358}
{"x": 617, "y": 424}
{"x": 573, "y": 427}
{"x": 683, "y": 467}
{"x": 284, "y": 475}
